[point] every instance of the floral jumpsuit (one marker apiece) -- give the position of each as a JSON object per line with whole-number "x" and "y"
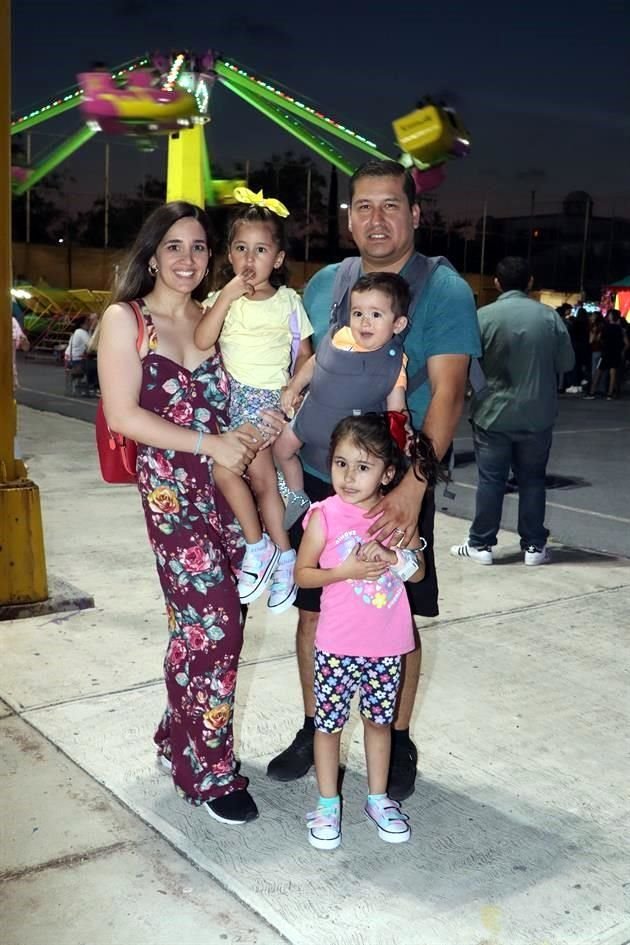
{"x": 197, "y": 544}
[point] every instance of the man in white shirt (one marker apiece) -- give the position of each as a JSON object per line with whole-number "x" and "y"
{"x": 77, "y": 346}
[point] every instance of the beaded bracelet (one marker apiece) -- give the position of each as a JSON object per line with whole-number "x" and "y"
{"x": 198, "y": 446}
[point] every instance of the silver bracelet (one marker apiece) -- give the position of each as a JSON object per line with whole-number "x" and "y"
{"x": 198, "y": 446}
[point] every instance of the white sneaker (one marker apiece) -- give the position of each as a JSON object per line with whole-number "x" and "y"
{"x": 480, "y": 555}
{"x": 392, "y": 823}
{"x": 257, "y": 570}
{"x": 534, "y": 556}
{"x": 324, "y": 827}
{"x": 283, "y": 589}
{"x": 573, "y": 390}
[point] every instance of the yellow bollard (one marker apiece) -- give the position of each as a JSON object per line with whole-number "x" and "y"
{"x": 22, "y": 561}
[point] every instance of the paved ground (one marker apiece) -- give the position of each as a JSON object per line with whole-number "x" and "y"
{"x": 520, "y": 821}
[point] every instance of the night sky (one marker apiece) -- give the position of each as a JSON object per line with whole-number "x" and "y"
{"x": 543, "y": 88}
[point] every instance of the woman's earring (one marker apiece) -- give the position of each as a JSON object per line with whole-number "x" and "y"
{"x": 153, "y": 270}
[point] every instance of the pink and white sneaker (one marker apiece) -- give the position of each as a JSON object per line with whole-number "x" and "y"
{"x": 257, "y": 570}
{"x": 324, "y": 827}
{"x": 283, "y": 590}
{"x": 391, "y": 822}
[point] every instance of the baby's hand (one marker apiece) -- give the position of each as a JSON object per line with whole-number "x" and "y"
{"x": 289, "y": 401}
{"x": 242, "y": 284}
{"x": 355, "y": 568}
{"x": 375, "y": 551}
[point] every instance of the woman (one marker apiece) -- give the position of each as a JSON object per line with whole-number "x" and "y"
{"x": 171, "y": 397}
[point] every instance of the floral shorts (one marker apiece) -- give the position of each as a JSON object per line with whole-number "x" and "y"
{"x": 246, "y": 403}
{"x": 337, "y": 678}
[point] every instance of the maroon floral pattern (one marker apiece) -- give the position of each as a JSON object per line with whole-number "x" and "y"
{"x": 197, "y": 545}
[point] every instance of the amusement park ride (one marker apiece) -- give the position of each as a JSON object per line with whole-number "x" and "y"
{"x": 170, "y": 95}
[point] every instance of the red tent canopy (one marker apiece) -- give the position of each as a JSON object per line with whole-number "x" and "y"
{"x": 621, "y": 291}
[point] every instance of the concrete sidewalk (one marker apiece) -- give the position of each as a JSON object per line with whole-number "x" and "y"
{"x": 520, "y": 824}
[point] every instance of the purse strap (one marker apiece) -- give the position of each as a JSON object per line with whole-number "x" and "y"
{"x": 137, "y": 311}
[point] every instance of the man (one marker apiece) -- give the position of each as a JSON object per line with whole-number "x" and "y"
{"x": 382, "y": 217}
{"x": 525, "y": 347}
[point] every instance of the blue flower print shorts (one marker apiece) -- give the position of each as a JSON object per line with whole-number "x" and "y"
{"x": 246, "y": 403}
{"x": 337, "y": 678}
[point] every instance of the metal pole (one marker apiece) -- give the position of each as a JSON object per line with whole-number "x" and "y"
{"x": 611, "y": 243}
{"x": 307, "y": 234}
{"x": 583, "y": 261}
{"x": 532, "y": 205}
{"x": 483, "y": 237}
{"x": 106, "y": 199}
{"x": 28, "y": 193}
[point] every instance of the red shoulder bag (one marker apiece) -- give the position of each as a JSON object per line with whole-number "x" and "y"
{"x": 116, "y": 454}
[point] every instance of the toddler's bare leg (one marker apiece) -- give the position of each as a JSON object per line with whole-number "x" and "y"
{"x": 378, "y": 745}
{"x": 240, "y": 500}
{"x": 326, "y": 748}
{"x": 262, "y": 474}
{"x": 285, "y": 451}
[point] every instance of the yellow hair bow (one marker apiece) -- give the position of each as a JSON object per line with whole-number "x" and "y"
{"x": 245, "y": 195}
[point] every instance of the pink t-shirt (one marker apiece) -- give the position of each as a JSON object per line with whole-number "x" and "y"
{"x": 358, "y": 618}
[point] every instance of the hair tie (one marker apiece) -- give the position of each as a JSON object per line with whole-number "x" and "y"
{"x": 245, "y": 195}
{"x": 396, "y": 421}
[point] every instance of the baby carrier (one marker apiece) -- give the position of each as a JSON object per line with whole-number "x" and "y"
{"x": 347, "y": 383}
{"x": 350, "y": 383}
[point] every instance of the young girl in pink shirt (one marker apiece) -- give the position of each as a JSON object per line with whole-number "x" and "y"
{"x": 365, "y": 624}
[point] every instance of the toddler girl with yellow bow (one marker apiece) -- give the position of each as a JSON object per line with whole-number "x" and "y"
{"x": 264, "y": 335}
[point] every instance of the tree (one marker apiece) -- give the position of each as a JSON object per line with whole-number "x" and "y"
{"x": 285, "y": 177}
{"x": 126, "y": 215}
{"x": 46, "y": 212}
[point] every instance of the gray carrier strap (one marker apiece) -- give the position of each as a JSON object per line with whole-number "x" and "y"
{"x": 418, "y": 271}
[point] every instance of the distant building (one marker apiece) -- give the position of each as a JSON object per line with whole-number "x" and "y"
{"x": 556, "y": 243}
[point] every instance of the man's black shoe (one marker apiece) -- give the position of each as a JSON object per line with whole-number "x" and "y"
{"x": 295, "y": 761}
{"x": 402, "y": 771}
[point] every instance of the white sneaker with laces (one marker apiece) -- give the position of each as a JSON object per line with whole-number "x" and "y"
{"x": 257, "y": 570}
{"x": 480, "y": 555}
{"x": 535, "y": 556}
{"x": 283, "y": 589}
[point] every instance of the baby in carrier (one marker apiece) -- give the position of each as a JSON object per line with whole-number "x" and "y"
{"x": 358, "y": 368}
